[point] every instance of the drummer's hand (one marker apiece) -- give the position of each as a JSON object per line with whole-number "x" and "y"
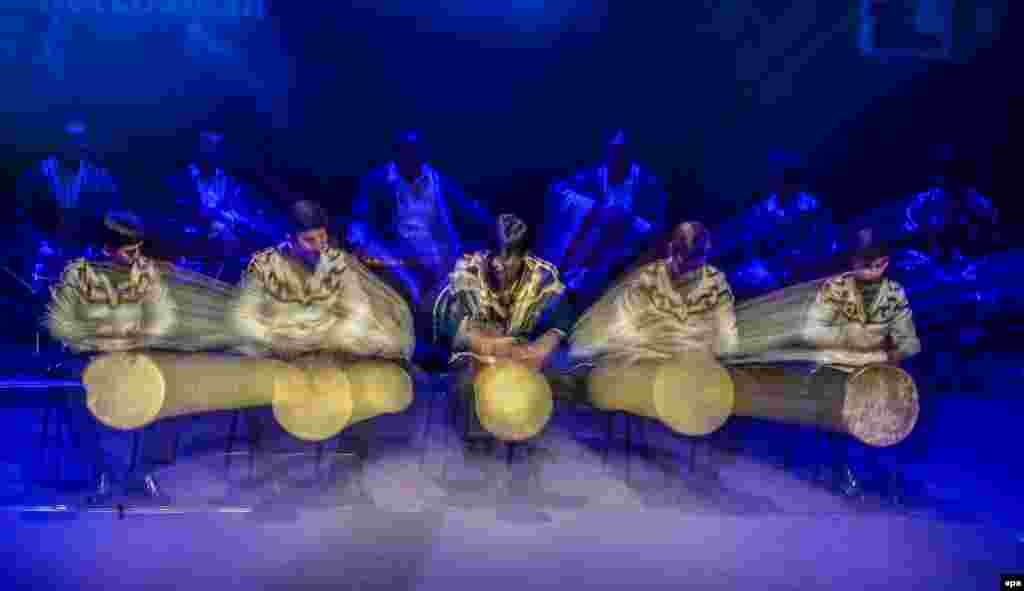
{"x": 574, "y": 279}
{"x": 536, "y": 353}
{"x": 489, "y": 342}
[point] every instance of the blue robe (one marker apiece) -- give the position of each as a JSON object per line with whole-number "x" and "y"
{"x": 59, "y": 216}
{"x": 218, "y": 221}
{"x": 427, "y": 224}
{"x": 906, "y": 224}
{"x": 776, "y": 244}
{"x": 592, "y": 230}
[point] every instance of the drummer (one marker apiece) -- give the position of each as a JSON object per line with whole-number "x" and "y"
{"x": 671, "y": 306}
{"x": 865, "y": 297}
{"x": 675, "y": 304}
{"x": 121, "y": 240}
{"x": 502, "y": 305}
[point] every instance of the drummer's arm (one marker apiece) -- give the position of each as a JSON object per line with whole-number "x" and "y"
{"x": 903, "y": 335}
{"x": 650, "y": 212}
{"x": 375, "y": 262}
{"x": 727, "y": 336}
{"x": 556, "y": 326}
{"x": 822, "y": 330}
{"x": 483, "y": 339}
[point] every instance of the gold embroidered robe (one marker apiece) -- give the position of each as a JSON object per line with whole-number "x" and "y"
{"x": 826, "y": 322}
{"x": 530, "y": 307}
{"x": 285, "y": 309}
{"x": 647, "y": 315}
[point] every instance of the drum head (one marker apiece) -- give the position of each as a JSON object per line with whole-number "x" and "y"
{"x": 124, "y": 390}
{"x": 513, "y": 401}
{"x": 693, "y": 394}
{"x": 313, "y": 404}
{"x": 379, "y": 387}
{"x": 881, "y": 406}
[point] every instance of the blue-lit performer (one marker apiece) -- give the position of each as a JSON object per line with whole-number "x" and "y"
{"x": 407, "y": 212}
{"x": 785, "y": 237}
{"x": 954, "y": 219}
{"x": 61, "y": 200}
{"x": 596, "y": 222}
{"x": 218, "y": 212}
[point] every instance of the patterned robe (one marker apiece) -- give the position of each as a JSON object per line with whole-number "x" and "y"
{"x": 827, "y": 322}
{"x": 427, "y": 222}
{"x": 648, "y": 315}
{"x": 285, "y": 309}
{"x": 219, "y": 219}
{"x": 105, "y": 306}
{"x": 531, "y": 306}
{"x": 63, "y": 210}
{"x": 597, "y": 227}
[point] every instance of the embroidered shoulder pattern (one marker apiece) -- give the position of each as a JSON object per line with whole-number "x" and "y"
{"x": 838, "y": 293}
{"x": 893, "y": 303}
{"x": 712, "y": 291}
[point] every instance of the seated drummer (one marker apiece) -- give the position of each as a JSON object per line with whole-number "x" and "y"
{"x": 304, "y": 295}
{"x": 81, "y": 314}
{"x": 863, "y": 309}
{"x": 674, "y": 304}
{"x": 121, "y": 239}
{"x": 308, "y": 296}
{"x": 506, "y": 304}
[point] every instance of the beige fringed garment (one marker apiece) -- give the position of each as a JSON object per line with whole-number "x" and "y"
{"x": 648, "y": 316}
{"x": 515, "y": 315}
{"x": 285, "y": 310}
{"x": 104, "y": 306}
{"x": 826, "y": 322}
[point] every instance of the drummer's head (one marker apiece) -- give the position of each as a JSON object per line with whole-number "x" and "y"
{"x": 123, "y": 236}
{"x": 309, "y": 235}
{"x": 616, "y": 151}
{"x": 870, "y": 258}
{"x": 409, "y": 153}
{"x": 211, "y": 142}
{"x": 689, "y": 247}
{"x": 76, "y": 147}
{"x": 512, "y": 245}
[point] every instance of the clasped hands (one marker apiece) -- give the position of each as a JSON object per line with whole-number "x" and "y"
{"x": 490, "y": 343}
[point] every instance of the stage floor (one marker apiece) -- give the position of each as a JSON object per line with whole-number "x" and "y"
{"x": 590, "y": 525}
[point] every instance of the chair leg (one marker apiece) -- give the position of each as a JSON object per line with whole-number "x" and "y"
{"x": 176, "y": 445}
{"x": 58, "y": 461}
{"x": 319, "y": 457}
{"x": 66, "y": 435}
{"x": 629, "y": 447}
{"x": 232, "y": 436}
{"x": 609, "y": 431}
{"x": 253, "y": 440}
{"x": 44, "y": 438}
{"x": 133, "y": 463}
{"x": 425, "y": 441}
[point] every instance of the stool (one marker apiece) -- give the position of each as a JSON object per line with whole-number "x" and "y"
{"x": 445, "y": 398}
{"x": 252, "y": 439}
{"x": 253, "y": 445}
{"x": 62, "y": 433}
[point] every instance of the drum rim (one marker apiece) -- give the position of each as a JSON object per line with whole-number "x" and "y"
{"x": 854, "y": 412}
